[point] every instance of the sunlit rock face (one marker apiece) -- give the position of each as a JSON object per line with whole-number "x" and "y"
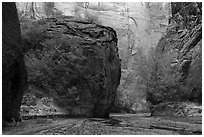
{"x": 136, "y": 23}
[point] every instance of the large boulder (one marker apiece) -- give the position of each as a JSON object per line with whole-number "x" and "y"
{"x": 14, "y": 76}
{"x": 88, "y": 62}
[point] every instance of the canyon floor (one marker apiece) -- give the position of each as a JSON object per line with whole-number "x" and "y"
{"x": 117, "y": 124}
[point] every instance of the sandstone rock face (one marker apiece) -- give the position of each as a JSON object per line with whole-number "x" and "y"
{"x": 14, "y": 76}
{"x": 92, "y": 65}
{"x": 183, "y": 38}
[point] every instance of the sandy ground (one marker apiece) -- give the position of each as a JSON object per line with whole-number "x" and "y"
{"x": 117, "y": 124}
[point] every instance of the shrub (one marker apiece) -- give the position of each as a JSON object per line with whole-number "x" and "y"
{"x": 49, "y": 64}
{"x": 48, "y": 69}
{"x": 67, "y": 97}
{"x": 194, "y": 80}
{"x": 161, "y": 80}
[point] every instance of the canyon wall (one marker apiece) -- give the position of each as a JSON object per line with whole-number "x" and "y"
{"x": 137, "y": 24}
{"x": 183, "y": 40}
{"x": 14, "y": 74}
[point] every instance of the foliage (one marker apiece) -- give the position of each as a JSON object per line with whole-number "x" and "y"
{"x": 66, "y": 98}
{"x": 122, "y": 104}
{"x": 130, "y": 93}
{"x": 194, "y": 80}
{"x": 30, "y": 33}
{"x": 21, "y": 16}
{"x": 159, "y": 77}
{"x": 49, "y": 65}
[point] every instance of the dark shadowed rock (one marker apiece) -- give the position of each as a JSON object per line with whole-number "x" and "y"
{"x": 14, "y": 76}
{"x": 92, "y": 64}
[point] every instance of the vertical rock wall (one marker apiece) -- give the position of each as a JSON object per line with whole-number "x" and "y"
{"x": 183, "y": 38}
{"x": 14, "y": 76}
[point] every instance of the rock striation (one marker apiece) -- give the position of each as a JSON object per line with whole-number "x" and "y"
{"x": 14, "y": 75}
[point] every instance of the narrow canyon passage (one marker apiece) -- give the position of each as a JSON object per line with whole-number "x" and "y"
{"x": 102, "y": 68}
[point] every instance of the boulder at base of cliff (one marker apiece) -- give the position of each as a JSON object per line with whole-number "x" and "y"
{"x": 14, "y": 76}
{"x": 84, "y": 64}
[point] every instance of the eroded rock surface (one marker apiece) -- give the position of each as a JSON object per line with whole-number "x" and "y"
{"x": 14, "y": 76}
{"x": 91, "y": 63}
{"x": 184, "y": 37}
{"x": 183, "y": 40}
